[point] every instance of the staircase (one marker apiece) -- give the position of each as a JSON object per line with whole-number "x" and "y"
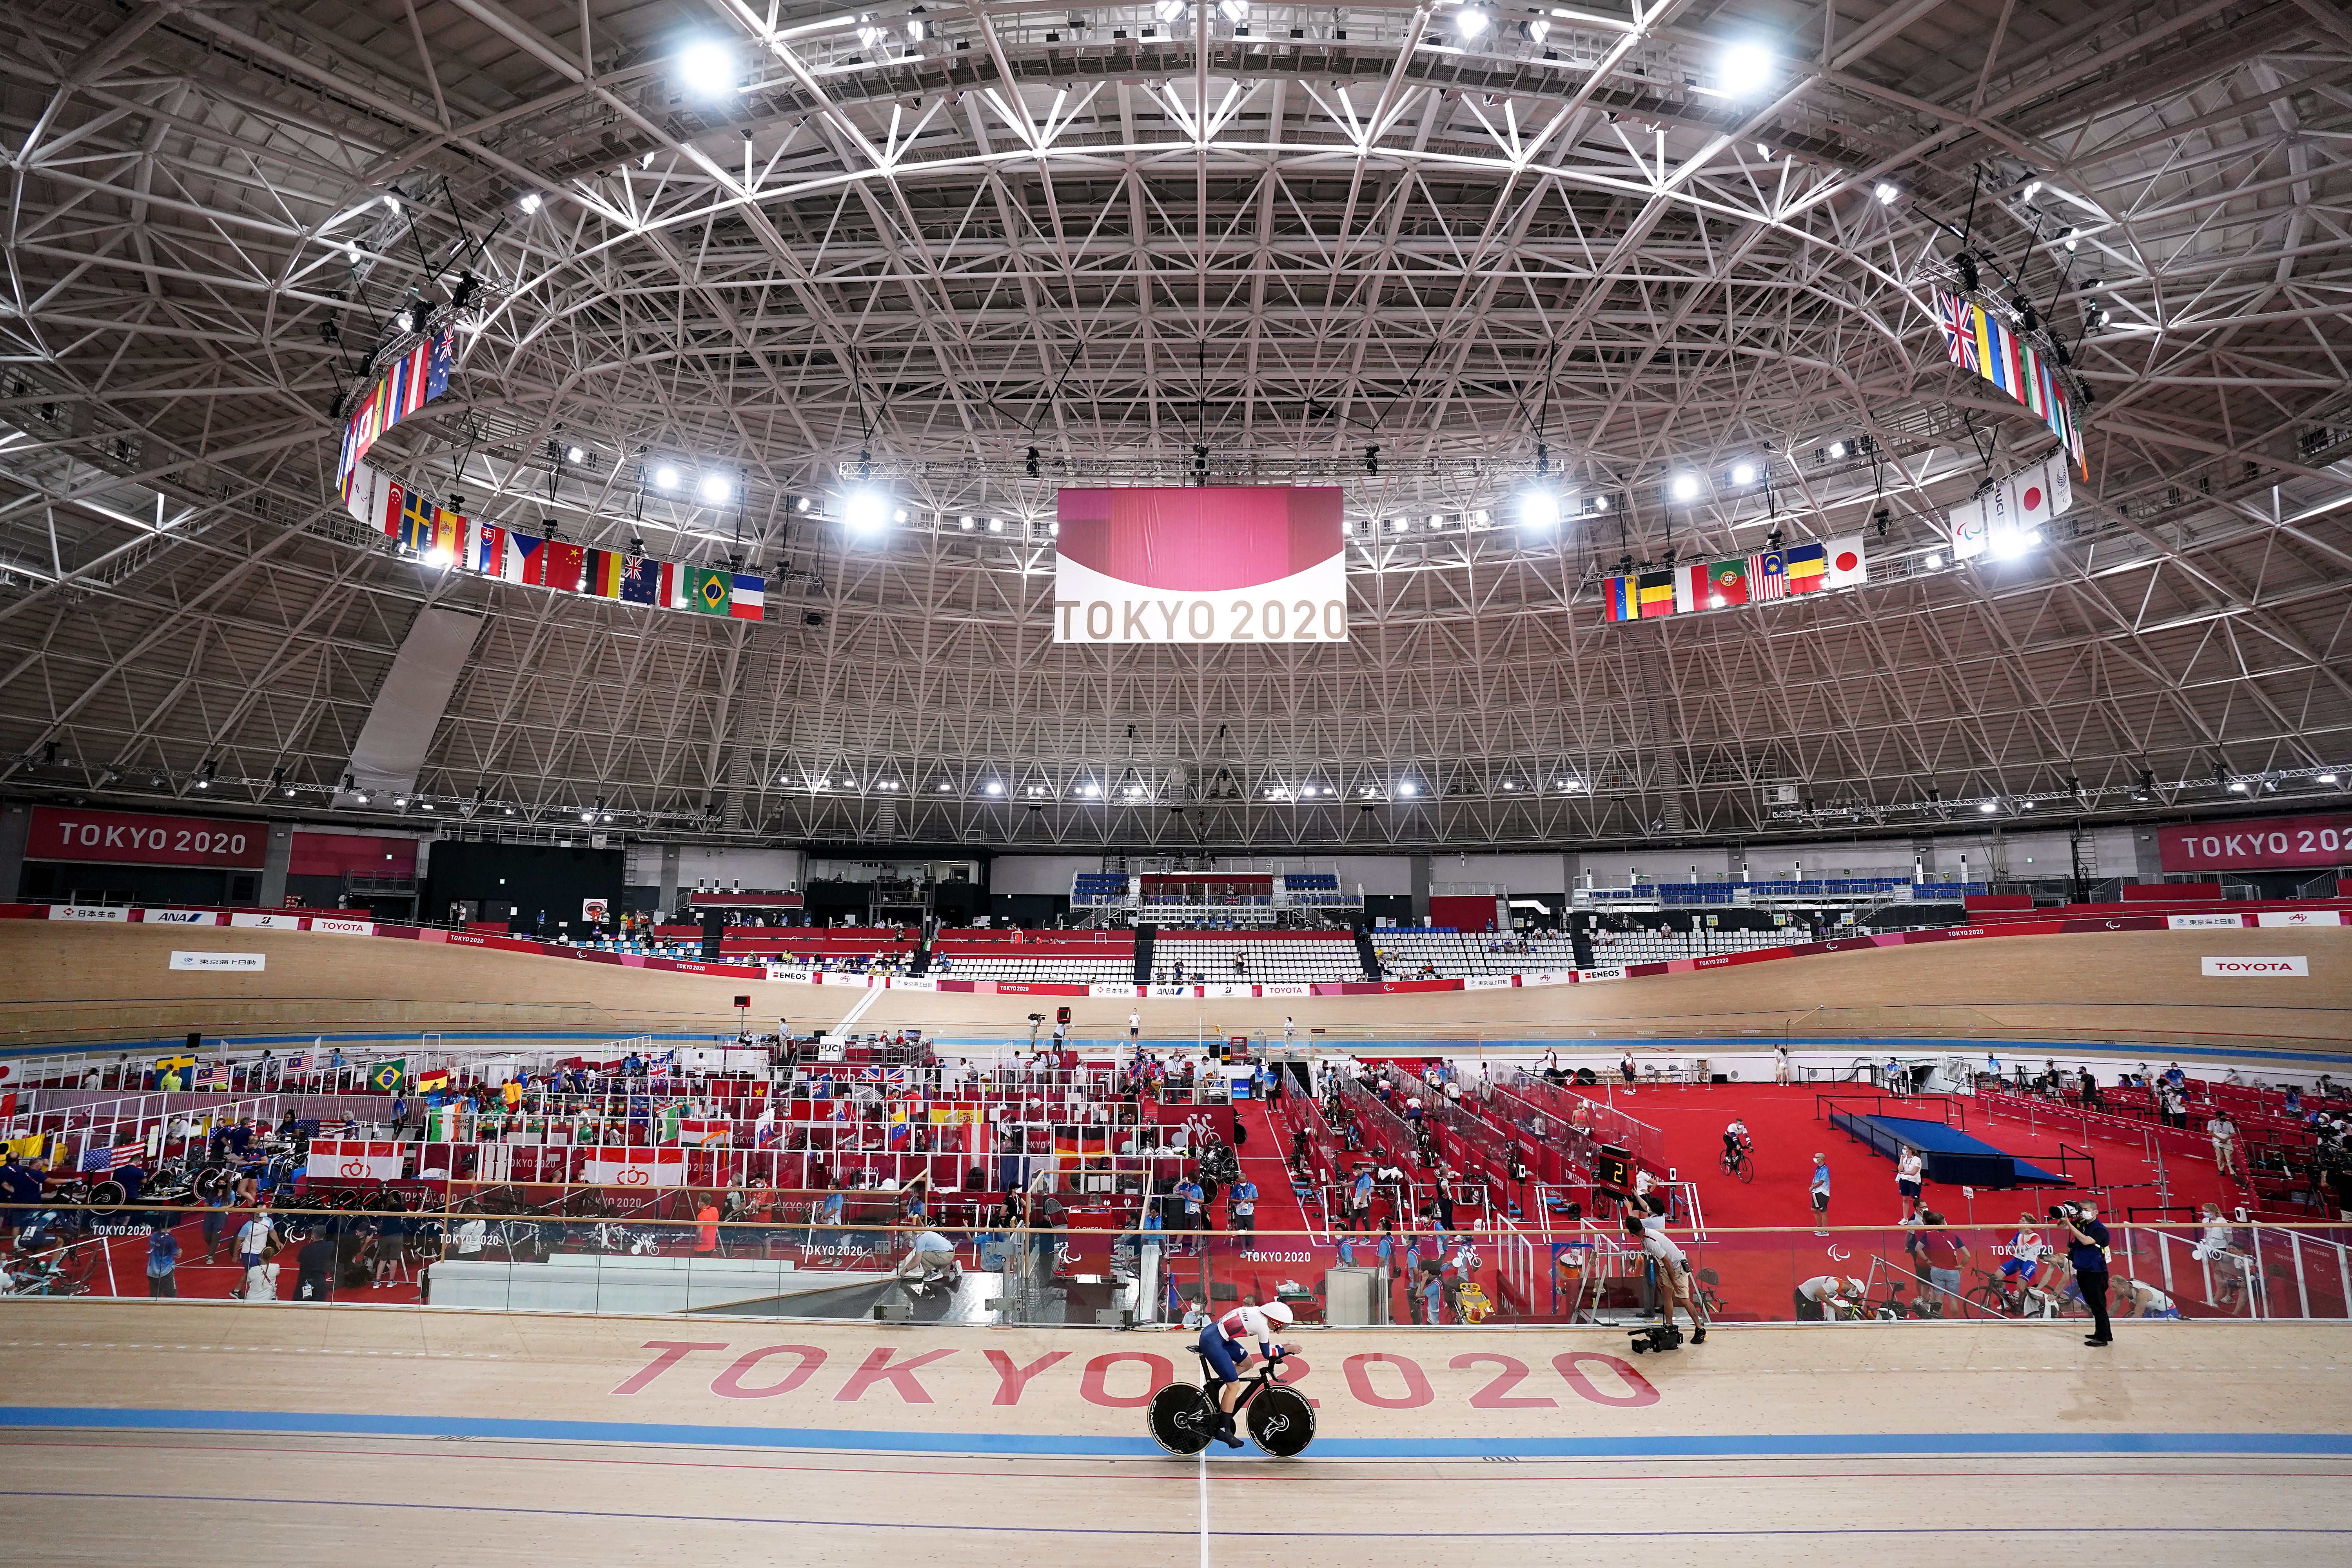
{"x": 1366, "y": 954}
{"x": 1143, "y": 944}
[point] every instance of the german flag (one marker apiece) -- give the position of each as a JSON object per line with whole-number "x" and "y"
{"x": 1655, "y": 592}
{"x": 605, "y": 571}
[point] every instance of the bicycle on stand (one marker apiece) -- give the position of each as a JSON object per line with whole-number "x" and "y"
{"x": 1184, "y": 1417}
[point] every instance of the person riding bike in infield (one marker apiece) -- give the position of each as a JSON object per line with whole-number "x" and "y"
{"x": 1222, "y": 1340}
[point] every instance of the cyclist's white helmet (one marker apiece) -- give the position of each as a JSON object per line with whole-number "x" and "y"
{"x": 1278, "y": 1313}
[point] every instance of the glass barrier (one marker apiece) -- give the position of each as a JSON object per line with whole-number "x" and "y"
{"x": 601, "y": 1250}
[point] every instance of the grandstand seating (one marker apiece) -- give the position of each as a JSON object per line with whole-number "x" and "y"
{"x": 1084, "y": 958}
{"x": 1732, "y": 892}
{"x": 1406, "y": 950}
{"x": 1092, "y": 887}
{"x": 1274, "y": 960}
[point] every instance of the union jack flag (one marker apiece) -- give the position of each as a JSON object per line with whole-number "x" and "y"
{"x": 1960, "y": 328}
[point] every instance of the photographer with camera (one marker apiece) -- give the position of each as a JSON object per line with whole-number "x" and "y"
{"x": 2086, "y": 1250}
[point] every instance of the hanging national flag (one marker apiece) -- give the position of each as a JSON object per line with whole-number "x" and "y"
{"x": 385, "y": 1076}
{"x": 410, "y": 381}
{"x": 2014, "y": 509}
{"x": 1981, "y": 343}
{"x": 1849, "y": 564}
{"x": 1655, "y": 590}
{"x": 97, "y": 1159}
{"x": 603, "y": 577}
{"x": 429, "y": 1079}
{"x": 526, "y": 559}
{"x": 1808, "y": 565}
{"x": 1767, "y": 576}
{"x": 671, "y": 595}
{"x": 709, "y": 589}
{"x": 367, "y": 496}
{"x": 1617, "y": 601}
{"x": 641, "y": 581}
{"x": 565, "y": 564}
{"x": 1727, "y": 584}
{"x": 490, "y": 550}
{"x": 749, "y": 600}
{"x": 1690, "y": 589}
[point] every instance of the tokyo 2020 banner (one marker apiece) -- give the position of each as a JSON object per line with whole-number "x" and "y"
{"x": 1216, "y": 563}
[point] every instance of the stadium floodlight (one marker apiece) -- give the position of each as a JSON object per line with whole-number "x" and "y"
{"x": 575, "y": 454}
{"x": 1988, "y": 807}
{"x": 965, "y": 522}
{"x": 991, "y": 787}
{"x": 1887, "y": 193}
{"x": 1538, "y": 507}
{"x": 1744, "y": 69}
{"x": 866, "y": 510}
{"x": 2327, "y": 778}
{"x": 530, "y": 203}
{"x": 2009, "y": 544}
{"x": 1934, "y": 562}
{"x": 1408, "y": 788}
{"x": 405, "y": 321}
{"x": 708, "y": 69}
{"x": 2237, "y": 786}
{"x": 1684, "y": 487}
{"x": 666, "y": 478}
{"x": 1472, "y": 22}
{"x": 715, "y": 490}
{"x": 1743, "y": 473}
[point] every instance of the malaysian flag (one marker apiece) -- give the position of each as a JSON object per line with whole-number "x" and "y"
{"x": 1767, "y": 575}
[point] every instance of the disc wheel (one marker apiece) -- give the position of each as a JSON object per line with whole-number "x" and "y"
{"x": 210, "y": 1183}
{"x": 1281, "y": 1422}
{"x": 1181, "y": 1420}
{"x": 107, "y": 1196}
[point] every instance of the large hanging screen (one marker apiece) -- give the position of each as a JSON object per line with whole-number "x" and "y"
{"x": 1217, "y": 563}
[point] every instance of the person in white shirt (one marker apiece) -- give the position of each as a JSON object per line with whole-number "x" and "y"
{"x": 1289, "y": 1030}
{"x": 1827, "y": 1296}
{"x": 1780, "y": 1064}
{"x": 1671, "y": 1268}
{"x": 255, "y": 1240}
{"x": 471, "y": 1233}
{"x": 1910, "y": 1172}
{"x": 2138, "y": 1299}
{"x": 2224, "y": 1134}
{"x": 1134, "y": 1023}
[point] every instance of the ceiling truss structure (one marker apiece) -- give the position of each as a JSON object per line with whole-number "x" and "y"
{"x": 1428, "y": 253}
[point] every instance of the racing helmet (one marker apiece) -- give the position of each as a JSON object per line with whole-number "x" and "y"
{"x": 1278, "y": 1313}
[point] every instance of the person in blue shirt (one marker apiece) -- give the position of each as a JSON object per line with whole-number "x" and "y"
{"x": 162, "y": 1262}
{"x": 1387, "y": 1248}
{"x": 1240, "y": 1209}
{"x": 1432, "y": 1296}
{"x": 1820, "y": 1195}
{"x": 2086, "y": 1250}
{"x": 1188, "y": 1191}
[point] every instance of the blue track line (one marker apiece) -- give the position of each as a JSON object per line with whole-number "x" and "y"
{"x": 1873, "y": 1444}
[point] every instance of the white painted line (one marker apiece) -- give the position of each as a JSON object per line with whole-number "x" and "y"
{"x": 1205, "y": 1507}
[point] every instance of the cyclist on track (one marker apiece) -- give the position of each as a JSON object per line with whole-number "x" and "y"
{"x": 1222, "y": 1341}
{"x": 2025, "y": 1265}
{"x": 1736, "y": 1142}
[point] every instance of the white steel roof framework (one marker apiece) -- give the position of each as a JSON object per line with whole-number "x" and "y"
{"x": 1428, "y": 253}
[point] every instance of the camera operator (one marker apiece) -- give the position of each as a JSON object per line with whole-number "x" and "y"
{"x": 2086, "y": 1250}
{"x": 1671, "y": 1268}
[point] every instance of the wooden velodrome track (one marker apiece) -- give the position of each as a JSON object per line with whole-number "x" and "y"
{"x": 194, "y": 1432}
{"x": 92, "y": 983}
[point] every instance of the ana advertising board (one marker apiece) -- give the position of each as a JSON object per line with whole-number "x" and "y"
{"x": 2275, "y": 843}
{"x": 136, "y": 838}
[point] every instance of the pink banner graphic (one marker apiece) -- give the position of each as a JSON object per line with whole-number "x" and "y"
{"x": 1216, "y": 563}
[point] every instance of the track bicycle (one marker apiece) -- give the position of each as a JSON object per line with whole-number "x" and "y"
{"x": 1184, "y": 1417}
{"x": 1739, "y": 1162}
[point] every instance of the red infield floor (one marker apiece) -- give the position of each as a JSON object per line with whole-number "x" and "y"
{"x": 201, "y": 1431}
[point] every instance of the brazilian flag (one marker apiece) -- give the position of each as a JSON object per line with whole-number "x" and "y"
{"x": 386, "y": 1077}
{"x": 709, "y": 589}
